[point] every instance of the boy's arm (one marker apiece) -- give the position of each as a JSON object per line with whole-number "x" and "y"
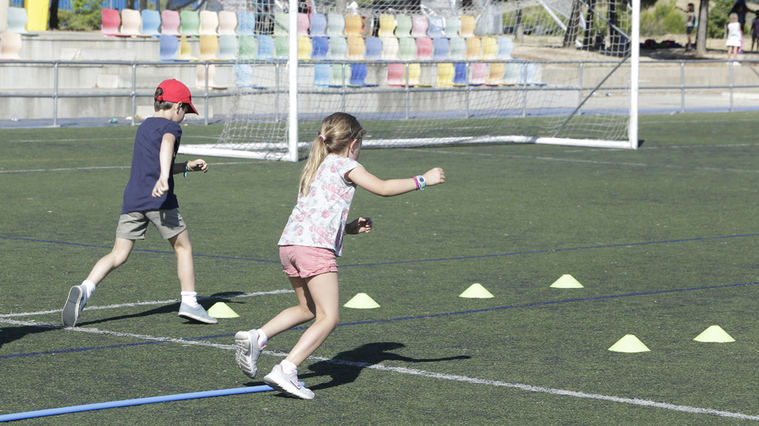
{"x": 190, "y": 166}
{"x": 164, "y": 158}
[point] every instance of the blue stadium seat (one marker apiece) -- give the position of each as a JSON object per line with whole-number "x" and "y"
{"x": 320, "y": 46}
{"x": 373, "y": 48}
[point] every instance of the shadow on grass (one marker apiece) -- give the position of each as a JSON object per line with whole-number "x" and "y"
{"x": 346, "y": 366}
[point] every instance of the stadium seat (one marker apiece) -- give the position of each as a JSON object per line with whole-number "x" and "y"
{"x": 436, "y": 26}
{"x": 335, "y": 25}
{"x": 303, "y": 24}
{"x": 513, "y": 73}
{"x": 389, "y": 48}
{"x": 467, "y": 26}
{"x": 373, "y": 48}
{"x": 209, "y": 46}
{"x": 505, "y": 46}
{"x": 495, "y": 74}
{"x": 243, "y": 76}
{"x": 170, "y": 22}
{"x": 281, "y": 46}
{"x": 322, "y": 74}
{"x": 151, "y": 22}
{"x": 452, "y": 26}
{"x": 458, "y": 48}
{"x": 10, "y": 45}
{"x": 281, "y": 24}
{"x": 356, "y": 48}
{"x": 406, "y": 48}
{"x": 403, "y": 26}
{"x": 200, "y": 77}
{"x": 387, "y": 26}
{"x": 227, "y": 47}
{"x": 110, "y": 22}
{"x": 473, "y": 48}
{"x": 227, "y": 22}
{"x": 459, "y": 74}
{"x": 189, "y": 22}
{"x": 337, "y": 77}
{"x": 479, "y": 73}
{"x": 247, "y": 47}
{"x": 396, "y": 75}
{"x": 246, "y": 23}
{"x": 208, "y": 23}
{"x": 169, "y": 48}
{"x": 318, "y": 25}
{"x": 489, "y": 47}
{"x": 338, "y": 48}
{"x": 131, "y": 21}
{"x": 440, "y": 48}
{"x": 320, "y": 47}
{"x": 419, "y": 25}
{"x": 17, "y": 19}
{"x": 304, "y": 48}
{"x": 358, "y": 75}
{"x": 424, "y": 48}
{"x": 533, "y": 75}
{"x": 185, "y": 51}
{"x": 414, "y": 74}
{"x": 445, "y": 74}
{"x": 265, "y": 47}
{"x": 353, "y": 25}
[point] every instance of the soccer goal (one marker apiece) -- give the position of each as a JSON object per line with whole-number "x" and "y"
{"x": 422, "y": 74}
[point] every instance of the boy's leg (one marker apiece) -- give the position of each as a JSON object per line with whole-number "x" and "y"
{"x": 79, "y": 294}
{"x": 189, "y": 307}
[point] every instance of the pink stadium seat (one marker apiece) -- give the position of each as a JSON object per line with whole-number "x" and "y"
{"x": 395, "y": 75}
{"x": 479, "y": 74}
{"x": 10, "y": 45}
{"x": 424, "y": 48}
{"x": 169, "y": 22}
{"x": 419, "y": 25}
{"x": 110, "y": 22}
{"x": 303, "y": 24}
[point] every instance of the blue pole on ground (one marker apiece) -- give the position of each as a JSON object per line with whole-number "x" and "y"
{"x": 131, "y": 402}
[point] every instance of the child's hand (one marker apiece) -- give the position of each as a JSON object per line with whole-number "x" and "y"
{"x": 198, "y": 165}
{"x": 434, "y": 176}
{"x": 358, "y": 226}
{"x": 160, "y": 188}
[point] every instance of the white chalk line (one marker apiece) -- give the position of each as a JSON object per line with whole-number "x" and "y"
{"x": 147, "y": 303}
{"x": 415, "y": 372}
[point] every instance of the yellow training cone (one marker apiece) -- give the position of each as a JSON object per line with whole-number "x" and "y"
{"x": 629, "y": 344}
{"x": 566, "y": 281}
{"x": 714, "y": 334}
{"x": 361, "y": 301}
{"x": 476, "y": 291}
{"x": 222, "y": 310}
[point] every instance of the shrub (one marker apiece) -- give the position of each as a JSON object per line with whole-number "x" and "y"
{"x": 85, "y": 16}
{"x": 662, "y": 19}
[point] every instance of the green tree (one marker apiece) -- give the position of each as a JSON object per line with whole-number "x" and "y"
{"x": 85, "y": 16}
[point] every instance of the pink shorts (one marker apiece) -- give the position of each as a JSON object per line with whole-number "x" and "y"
{"x": 306, "y": 262}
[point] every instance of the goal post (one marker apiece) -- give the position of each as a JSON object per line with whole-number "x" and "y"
{"x": 530, "y": 71}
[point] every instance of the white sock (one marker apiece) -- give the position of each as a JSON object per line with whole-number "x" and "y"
{"x": 89, "y": 288}
{"x": 262, "y": 339}
{"x": 190, "y": 298}
{"x": 288, "y": 367}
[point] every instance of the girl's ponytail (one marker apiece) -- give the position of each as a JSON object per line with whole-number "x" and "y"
{"x": 315, "y": 157}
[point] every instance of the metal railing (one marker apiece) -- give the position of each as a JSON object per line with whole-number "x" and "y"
{"x": 56, "y": 93}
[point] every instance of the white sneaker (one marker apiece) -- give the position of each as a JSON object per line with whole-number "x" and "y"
{"x": 74, "y": 305}
{"x": 247, "y": 352}
{"x": 287, "y": 383}
{"x": 196, "y": 313}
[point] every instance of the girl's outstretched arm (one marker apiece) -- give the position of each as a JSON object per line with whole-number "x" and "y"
{"x": 387, "y": 188}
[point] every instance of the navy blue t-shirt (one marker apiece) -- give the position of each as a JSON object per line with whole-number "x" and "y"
{"x": 146, "y": 167}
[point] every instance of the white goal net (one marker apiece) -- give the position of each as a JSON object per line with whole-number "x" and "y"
{"x": 417, "y": 73}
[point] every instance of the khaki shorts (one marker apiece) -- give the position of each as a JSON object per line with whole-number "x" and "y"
{"x": 132, "y": 226}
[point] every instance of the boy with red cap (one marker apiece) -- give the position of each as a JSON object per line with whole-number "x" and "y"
{"x": 149, "y": 197}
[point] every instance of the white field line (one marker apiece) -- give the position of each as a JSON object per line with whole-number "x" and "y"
{"x": 604, "y": 163}
{"x": 147, "y": 303}
{"x": 422, "y": 373}
{"x": 75, "y": 169}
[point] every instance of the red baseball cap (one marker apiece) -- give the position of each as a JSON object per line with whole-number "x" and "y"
{"x": 176, "y": 91}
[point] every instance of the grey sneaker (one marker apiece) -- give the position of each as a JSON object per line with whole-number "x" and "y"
{"x": 287, "y": 383}
{"x": 73, "y": 307}
{"x": 197, "y": 313}
{"x": 247, "y": 352}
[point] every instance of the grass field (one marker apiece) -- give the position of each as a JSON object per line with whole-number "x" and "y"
{"x": 663, "y": 240}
